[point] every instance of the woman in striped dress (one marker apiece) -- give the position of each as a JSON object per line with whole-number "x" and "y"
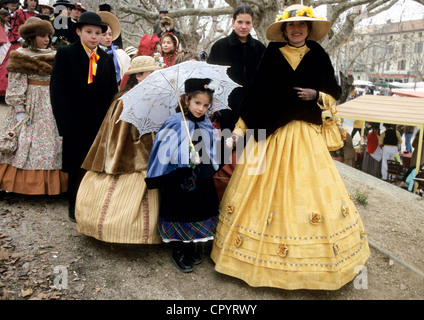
{"x": 113, "y": 203}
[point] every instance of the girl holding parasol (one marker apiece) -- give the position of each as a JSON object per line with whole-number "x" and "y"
{"x": 181, "y": 166}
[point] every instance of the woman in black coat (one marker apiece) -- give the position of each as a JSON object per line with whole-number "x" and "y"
{"x": 79, "y": 106}
{"x": 242, "y": 53}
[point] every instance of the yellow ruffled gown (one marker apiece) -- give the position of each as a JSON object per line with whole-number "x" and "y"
{"x": 286, "y": 220}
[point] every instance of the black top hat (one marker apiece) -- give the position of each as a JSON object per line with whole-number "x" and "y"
{"x": 65, "y": 3}
{"x": 195, "y": 84}
{"x": 163, "y": 11}
{"x": 90, "y": 18}
{"x": 44, "y": 17}
{"x": 105, "y": 7}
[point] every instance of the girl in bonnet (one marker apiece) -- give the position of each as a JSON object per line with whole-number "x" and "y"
{"x": 169, "y": 44}
{"x": 188, "y": 198}
{"x": 120, "y": 58}
{"x": 35, "y": 167}
{"x": 5, "y": 18}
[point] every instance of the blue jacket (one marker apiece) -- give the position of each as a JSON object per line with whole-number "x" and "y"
{"x": 170, "y": 151}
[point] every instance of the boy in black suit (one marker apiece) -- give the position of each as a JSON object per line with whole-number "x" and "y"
{"x": 82, "y": 86}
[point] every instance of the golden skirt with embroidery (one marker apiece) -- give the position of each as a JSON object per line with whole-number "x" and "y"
{"x": 287, "y": 220}
{"x": 117, "y": 208}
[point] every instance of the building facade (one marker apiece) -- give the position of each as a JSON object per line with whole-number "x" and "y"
{"x": 392, "y": 52}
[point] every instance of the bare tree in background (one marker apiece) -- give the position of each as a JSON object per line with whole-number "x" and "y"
{"x": 202, "y": 22}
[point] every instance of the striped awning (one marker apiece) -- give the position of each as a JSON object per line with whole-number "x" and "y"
{"x": 397, "y": 110}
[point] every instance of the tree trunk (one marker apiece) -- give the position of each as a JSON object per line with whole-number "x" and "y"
{"x": 346, "y": 82}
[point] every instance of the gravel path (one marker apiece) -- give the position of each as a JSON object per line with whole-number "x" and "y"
{"x": 40, "y": 249}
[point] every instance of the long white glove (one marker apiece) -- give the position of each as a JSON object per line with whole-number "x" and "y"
{"x": 231, "y": 142}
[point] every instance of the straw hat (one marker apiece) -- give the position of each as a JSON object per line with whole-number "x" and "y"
{"x": 141, "y": 64}
{"x": 298, "y": 12}
{"x": 112, "y": 21}
{"x": 131, "y": 51}
{"x": 65, "y": 3}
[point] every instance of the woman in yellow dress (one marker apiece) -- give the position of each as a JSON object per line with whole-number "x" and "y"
{"x": 286, "y": 219}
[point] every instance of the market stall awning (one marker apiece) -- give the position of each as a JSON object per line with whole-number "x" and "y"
{"x": 385, "y": 85}
{"x": 388, "y": 109}
{"x": 397, "y": 110}
{"x": 410, "y": 93}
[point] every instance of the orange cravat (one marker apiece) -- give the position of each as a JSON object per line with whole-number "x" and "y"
{"x": 93, "y": 63}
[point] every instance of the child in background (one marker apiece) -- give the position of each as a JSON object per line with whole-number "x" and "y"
{"x": 188, "y": 198}
{"x": 82, "y": 86}
{"x": 145, "y": 48}
{"x": 35, "y": 166}
{"x": 20, "y": 16}
{"x": 169, "y": 44}
{"x": 120, "y": 58}
{"x": 186, "y": 55}
{"x": 158, "y": 48}
{"x": 4, "y": 48}
{"x": 4, "y": 28}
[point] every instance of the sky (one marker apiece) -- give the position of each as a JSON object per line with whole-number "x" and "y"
{"x": 403, "y": 10}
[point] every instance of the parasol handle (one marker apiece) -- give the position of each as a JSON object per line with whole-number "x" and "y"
{"x": 182, "y": 112}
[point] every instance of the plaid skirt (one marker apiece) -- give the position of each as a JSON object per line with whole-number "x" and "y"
{"x": 187, "y": 231}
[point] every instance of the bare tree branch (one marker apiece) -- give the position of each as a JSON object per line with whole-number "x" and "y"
{"x": 203, "y": 22}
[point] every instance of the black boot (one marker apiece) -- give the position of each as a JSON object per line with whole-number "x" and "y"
{"x": 192, "y": 254}
{"x": 71, "y": 213}
{"x": 180, "y": 260}
{"x": 75, "y": 177}
{"x": 71, "y": 204}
